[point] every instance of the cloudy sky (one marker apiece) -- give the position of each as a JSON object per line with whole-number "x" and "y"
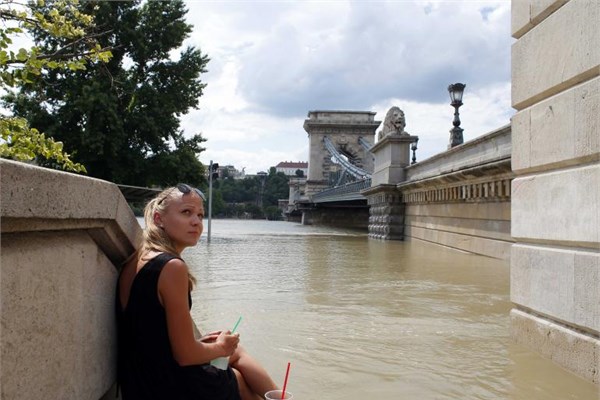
{"x": 273, "y": 61}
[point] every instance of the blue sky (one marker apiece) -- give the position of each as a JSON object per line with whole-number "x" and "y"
{"x": 273, "y": 61}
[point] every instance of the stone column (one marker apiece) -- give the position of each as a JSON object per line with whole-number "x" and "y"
{"x": 386, "y": 212}
{"x": 555, "y": 262}
{"x": 344, "y": 129}
{"x": 391, "y": 157}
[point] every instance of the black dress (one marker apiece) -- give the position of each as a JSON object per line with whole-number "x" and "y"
{"x": 146, "y": 367}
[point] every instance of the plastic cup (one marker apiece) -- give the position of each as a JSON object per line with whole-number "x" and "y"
{"x": 276, "y": 395}
{"x": 221, "y": 362}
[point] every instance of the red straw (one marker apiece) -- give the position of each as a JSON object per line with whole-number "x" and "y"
{"x": 287, "y": 373}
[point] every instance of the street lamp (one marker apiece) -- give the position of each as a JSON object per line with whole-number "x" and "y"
{"x": 261, "y": 191}
{"x": 456, "y": 93}
{"x": 414, "y": 151}
{"x": 212, "y": 174}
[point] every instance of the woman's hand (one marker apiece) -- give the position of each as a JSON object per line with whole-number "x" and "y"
{"x": 228, "y": 342}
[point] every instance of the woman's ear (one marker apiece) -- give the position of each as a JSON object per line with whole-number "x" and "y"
{"x": 158, "y": 219}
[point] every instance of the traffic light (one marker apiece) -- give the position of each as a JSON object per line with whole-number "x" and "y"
{"x": 214, "y": 170}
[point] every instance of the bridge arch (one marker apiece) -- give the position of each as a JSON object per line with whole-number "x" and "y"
{"x": 346, "y": 132}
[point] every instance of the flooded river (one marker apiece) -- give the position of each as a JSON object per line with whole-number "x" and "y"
{"x": 366, "y": 319}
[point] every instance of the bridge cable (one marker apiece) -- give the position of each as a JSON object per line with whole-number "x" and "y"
{"x": 352, "y": 169}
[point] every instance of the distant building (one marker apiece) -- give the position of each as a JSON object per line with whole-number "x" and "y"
{"x": 229, "y": 171}
{"x": 289, "y": 168}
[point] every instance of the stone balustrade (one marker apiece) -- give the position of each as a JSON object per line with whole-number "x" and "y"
{"x": 63, "y": 239}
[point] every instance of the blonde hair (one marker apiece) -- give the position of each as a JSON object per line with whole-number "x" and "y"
{"x": 154, "y": 237}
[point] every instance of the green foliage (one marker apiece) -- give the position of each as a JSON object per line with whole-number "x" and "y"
{"x": 22, "y": 143}
{"x": 122, "y": 119}
{"x": 21, "y": 67}
{"x": 240, "y": 198}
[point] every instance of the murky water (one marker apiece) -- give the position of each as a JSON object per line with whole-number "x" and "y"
{"x": 366, "y": 319}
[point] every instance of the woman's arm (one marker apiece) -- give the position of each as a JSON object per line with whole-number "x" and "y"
{"x": 173, "y": 294}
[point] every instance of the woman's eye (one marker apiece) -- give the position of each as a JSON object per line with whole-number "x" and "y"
{"x": 186, "y": 212}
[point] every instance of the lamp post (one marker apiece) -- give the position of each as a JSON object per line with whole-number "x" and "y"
{"x": 211, "y": 174}
{"x": 414, "y": 150}
{"x": 261, "y": 191}
{"x": 456, "y": 93}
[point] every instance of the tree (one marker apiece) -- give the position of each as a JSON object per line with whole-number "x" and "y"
{"x": 64, "y": 22}
{"x": 123, "y": 118}
{"x": 276, "y": 187}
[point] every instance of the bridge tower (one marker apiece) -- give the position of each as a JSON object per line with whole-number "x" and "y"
{"x": 345, "y": 130}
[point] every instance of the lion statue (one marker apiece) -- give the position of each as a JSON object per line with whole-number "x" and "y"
{"x": 394, "y": 122}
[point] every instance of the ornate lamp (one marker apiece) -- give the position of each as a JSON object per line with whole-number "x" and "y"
{"x": 456, "y": 91}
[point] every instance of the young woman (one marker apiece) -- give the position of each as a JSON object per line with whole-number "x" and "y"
{"x": 160, "y": 357}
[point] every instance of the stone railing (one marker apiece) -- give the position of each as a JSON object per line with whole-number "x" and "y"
{"x": 487, "y": 149}
{"x": 63, "y": 239}
{"x": 459, "y": 198}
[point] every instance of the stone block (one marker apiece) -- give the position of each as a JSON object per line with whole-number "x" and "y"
{"x": 491, "y": 229}
{"x": 559, "y": 283}
{"x": 559, "y": 207}
{"x": 586, "y": 300}
{"x": 559, "y": 53}
{"x": 484, "y": 211}
{"x": 560, "y": 131}
{"x": 520, "y": 18}
{"x": 528, "y": 13}
{"x": 521, "y": 140}
{"x": 472, "y": 244}
{"x": 57, "y": 341}
{"x": 50, "y": 194}
{"x": 572, "y": 349}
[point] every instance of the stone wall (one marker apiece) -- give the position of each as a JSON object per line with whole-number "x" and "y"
{"x": 63, "y": 237}
{"x": 555, "y": 262}
{"x": 461, "y": 198}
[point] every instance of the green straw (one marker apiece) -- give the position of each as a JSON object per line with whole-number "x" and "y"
{"x": 236, "y": 324}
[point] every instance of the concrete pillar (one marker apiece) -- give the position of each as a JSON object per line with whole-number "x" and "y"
{"x": 64, "y": 237}
{"x": 344, "y": 128}
{"x": 391, "y": 157}
{"x": 555, "y": 262}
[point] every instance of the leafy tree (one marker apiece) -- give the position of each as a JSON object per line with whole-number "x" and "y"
{"x": 276, "y": 187}
{"x": 123, "y": 118}
{"x": 74, "y": 29}
{"x": 241, "y": 196}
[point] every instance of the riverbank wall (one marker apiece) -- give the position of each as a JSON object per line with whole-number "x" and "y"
{"x": 461, "y": 198}
{"x": 63, "y": 239}
{"x": 555, "y": 261}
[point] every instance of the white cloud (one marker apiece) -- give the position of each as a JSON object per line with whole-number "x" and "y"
{"x": 272, "y": 62}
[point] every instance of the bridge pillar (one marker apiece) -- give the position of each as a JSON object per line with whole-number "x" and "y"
{"x": 344, "y": 129}
{"x": 391, "y": 155}
{"x": 386, "y": 212}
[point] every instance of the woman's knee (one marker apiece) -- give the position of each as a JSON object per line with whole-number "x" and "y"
{"x": 237, "y": 354}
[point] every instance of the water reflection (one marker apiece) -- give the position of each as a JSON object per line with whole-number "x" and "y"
{"x": 362, "y": 318}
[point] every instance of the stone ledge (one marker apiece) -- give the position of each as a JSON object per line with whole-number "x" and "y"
{"x": 41, "y": 199}
{"x": 528, "y": 13}
{"x": 573, "y": 350}
{"x": 562, "y": 284}
{"x": 558, "y": 206}
{"x": 490, "y": 148}
{"x": 473, "y": 244}
{"x": 561, "y": 52}
{"x": 558, "y": 132}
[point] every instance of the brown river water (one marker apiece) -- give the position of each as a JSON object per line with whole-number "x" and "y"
{"x": 365, "y": 319}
